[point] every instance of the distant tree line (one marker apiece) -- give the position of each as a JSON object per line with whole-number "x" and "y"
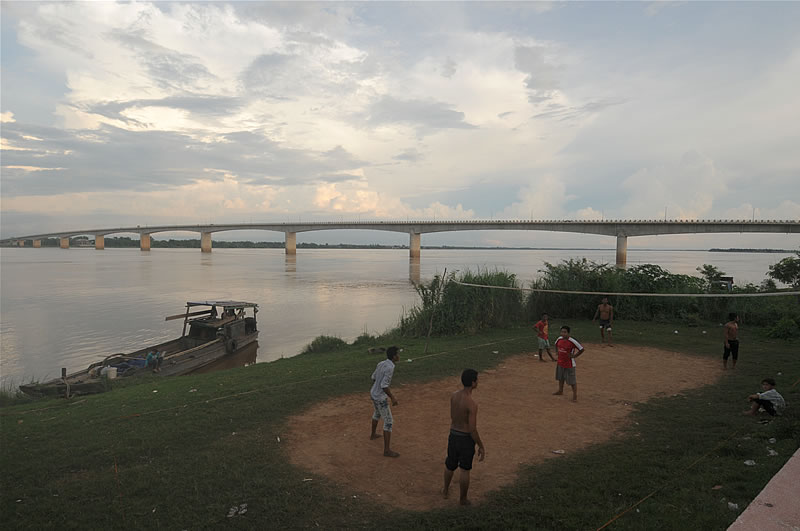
{"x": 125, "y": 241}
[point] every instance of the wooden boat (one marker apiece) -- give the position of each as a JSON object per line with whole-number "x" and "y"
{"x": 220, "y": 329}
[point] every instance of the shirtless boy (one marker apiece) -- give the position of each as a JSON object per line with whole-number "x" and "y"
{"x": 606, "y": 313}
{"x": 463, "y": 435}
{"x": 731, "y": 335}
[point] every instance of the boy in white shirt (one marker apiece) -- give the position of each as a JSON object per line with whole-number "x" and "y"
{"x": 771, "y": 400}
{"x": 380, "y": 394}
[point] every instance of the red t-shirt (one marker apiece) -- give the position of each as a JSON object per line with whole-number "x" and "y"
{"x": 565, "y": 347}
{"x": 542, "y": 327}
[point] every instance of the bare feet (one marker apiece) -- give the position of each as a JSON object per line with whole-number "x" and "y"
{"x": 574, "y": 398}
{"x": 444, "y": 493}
{"x": 559, "y": 393}
{"x": 374, "y": 436}
{"x": 465, "y": 501}
{"x": 390, "y": 453}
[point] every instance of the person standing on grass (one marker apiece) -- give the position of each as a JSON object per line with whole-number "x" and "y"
{"x": 606, "y": 314}
{"x": 381, "y": 393}
{"x": 463, "y": 436}
{"x": 771, "y": 400}
{"x": 542, "y": 328}
{"x": 568, "y": 349}
{"x": 731, "y": 335}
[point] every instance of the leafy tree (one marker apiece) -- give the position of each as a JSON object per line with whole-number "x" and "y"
{"x": 711, "y": 274}
{"x": 787, "y": 271}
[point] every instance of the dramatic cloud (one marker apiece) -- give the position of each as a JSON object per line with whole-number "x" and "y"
{"x": 114, "y": 112}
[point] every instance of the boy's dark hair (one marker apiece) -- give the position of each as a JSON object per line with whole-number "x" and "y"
{"x": 391, "y": 352}
{"x": 469, "y": 376}
{"x": 543, "y": 314}
{"x": 731, "y": 316}
{"x": 565, "y": 327}
{"x": 770, "y": 381}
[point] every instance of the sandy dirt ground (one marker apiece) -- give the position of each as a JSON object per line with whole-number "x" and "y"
{"x": 519, "y": 420}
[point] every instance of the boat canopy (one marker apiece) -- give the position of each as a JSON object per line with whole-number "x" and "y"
{"x": 223, "y": 304}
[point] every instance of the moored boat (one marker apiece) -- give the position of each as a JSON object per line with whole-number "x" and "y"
{"x": 216, "y": 329}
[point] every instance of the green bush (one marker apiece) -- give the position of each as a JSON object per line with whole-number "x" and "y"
{"x": 325, "y": 344}
{"x": 451, "y": 308}
{"x": 785, "y": 328}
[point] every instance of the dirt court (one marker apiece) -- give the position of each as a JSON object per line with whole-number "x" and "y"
{"x": 519, "y": 420}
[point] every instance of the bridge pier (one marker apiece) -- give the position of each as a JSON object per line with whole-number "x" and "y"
{"x": 64, "y": 243}
{"x": 205, "y": 242}
{"x": 37, "y": 244}
{"x": 99, "y": 242}
{"x": 622, "y": 250}
{"x": 414, "y": 245}
{"x": 291, "y": 243}
{"x": 144, "y": 242}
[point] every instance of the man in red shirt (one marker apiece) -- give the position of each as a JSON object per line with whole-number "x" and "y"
{"x": 541, "y": 331}
{"x": 568, "y": 349}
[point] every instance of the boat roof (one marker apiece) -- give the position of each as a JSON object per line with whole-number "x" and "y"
{"x": 224, "y": 304}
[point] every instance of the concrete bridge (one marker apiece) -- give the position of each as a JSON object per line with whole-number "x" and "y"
{"x": 621, "y": 229}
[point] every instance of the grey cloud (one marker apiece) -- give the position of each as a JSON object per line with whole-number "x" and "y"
{"x": 194, "y": 103}
{"x": 409, "y": 155}
{"x": 541, "y": 79}
{"x": 563, "y": 113}
{"x": 117, "y": 159}
{"x": 425, "y": 115}
{"x": 449, "y": 68}
{"x": 168, "y": 68}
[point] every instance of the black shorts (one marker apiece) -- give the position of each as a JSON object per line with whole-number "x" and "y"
{"x": 768, "y": 406}
{"x": 460, "y": 450}
{"x": 732, "y": 350}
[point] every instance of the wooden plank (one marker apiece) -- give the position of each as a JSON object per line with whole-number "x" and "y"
{"x": 183, "y": 315}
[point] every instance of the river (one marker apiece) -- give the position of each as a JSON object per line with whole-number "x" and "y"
{"x": 71, "y": 307}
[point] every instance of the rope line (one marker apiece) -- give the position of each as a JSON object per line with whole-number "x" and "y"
{"x": 570, "y": 292}
{"x": 719, "y": 444}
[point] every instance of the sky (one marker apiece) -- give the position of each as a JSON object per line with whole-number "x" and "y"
{"x": 142, "y": 113}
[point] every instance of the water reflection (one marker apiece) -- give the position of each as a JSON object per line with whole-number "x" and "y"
{"x": 244, "y": 357}
{"x": 291, "y": 263}
{"x": 414, "y": 270}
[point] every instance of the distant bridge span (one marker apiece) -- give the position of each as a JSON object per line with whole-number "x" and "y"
{"x": 621, "y": 229}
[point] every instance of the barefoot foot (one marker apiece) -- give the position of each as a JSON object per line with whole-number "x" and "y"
{"x": 445, "y": 493}
{"x": 465, "y": 501}
{"x": 374, "y": 436}
{"x": 558, "y": 393}
{"x": 390, "y": 453}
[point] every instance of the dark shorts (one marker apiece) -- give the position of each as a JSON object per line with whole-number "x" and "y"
{"x": 733, "y": 350}
{"x": 605, "y": 323}
{"x": 768, "y": 406}
{"x": 460, "y": 450}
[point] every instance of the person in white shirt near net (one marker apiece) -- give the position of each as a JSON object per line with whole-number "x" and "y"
{"x": 381, "y": 393}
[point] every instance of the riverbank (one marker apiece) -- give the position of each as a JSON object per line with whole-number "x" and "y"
{"x": 183, "y": 452}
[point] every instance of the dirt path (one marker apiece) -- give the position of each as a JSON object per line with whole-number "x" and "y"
{"x": 519, "y": 419}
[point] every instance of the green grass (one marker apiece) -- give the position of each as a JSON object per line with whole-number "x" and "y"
{"x": 179, "y": 459}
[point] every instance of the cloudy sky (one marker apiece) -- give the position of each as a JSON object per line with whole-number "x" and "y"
{"x": 156, "y": 113}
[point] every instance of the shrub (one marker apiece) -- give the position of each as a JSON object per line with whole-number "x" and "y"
{"x": 785, "y": 328}
{"x": 325, "y": 344}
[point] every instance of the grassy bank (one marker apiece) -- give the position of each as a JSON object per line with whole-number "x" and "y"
{"x": 179, "y": 453}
